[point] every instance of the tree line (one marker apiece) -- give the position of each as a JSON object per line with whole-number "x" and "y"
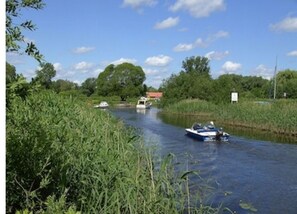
{"x": 194, "y": 82}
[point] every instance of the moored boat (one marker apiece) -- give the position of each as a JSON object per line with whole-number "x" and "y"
{"x": 102, "y": 104}
{"x": 207, "y": 133}
{"x": 143, "y": 103}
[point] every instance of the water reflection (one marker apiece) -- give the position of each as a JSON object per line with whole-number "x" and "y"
{"x": 242, "y": 170}
{"x": 141, "y": 111}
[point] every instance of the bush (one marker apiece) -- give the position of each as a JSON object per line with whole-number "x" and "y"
{"x": 57, "y": 148}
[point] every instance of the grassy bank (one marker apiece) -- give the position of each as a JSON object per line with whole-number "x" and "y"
{"x": 278, "y": 117}
{"x": 65, "y": 157}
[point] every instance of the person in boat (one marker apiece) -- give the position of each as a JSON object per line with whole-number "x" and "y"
{"x": 197, "y": 126}
{"x": 209, "y": 126}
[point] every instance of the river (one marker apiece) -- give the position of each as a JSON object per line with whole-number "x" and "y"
{"x": 244, "y": 174}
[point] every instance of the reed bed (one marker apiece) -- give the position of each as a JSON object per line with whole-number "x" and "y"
{"x": 278, "y": 116}
{"x": 63, "y": 157}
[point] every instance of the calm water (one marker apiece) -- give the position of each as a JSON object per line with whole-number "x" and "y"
{"x": 258, "y": 172}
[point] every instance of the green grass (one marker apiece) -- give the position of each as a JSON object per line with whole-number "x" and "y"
{"x": 65, "y": 157}
{"x": 279, "y": 116}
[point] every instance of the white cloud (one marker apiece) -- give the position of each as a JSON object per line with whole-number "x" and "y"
{"x": 201, "y": 42}
{"x": 183, "y": 47}
{"x": 292, "y": 53}
{"x": 288, "y": 24}
{"x": 198, "y": 8}
{"x": 218, "y": 35}
{"x": 150, "y": 71}
{"x": 83, "y": 66}
{"x": 58, "y": 66}
{"x": 97, "y": 72}
{"x": 231, "y": 67}
{"x": 262, "y": 71}
{"x": 139, "y": 3}
{"x": 81, "y": 50}
{"x": 160, "y": 60}
{"x": 167, "y": 23}
{"x": 122, "y": 60}
{"x": 216, "y": 55}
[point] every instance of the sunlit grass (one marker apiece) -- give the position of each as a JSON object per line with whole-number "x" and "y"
{"x": 62, "y": 155}
{"x": 279, "y": 116}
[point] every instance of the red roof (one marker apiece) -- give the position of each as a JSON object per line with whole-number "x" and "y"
{"x": 154, "y": 94}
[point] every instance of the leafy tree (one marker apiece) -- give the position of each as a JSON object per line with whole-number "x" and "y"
{"x": 10, "y": 73}
{"x": 63, "y": 85}
{"x": 286, "y": 83}
{"x": 16, "y": 85}
{"x": 192, "y": 82}
{"x": 14, "y": 35}
{"x": 123, "y": 80}
{"x": 223, "y": 87}
{"x": 88, "y": 87}
{"x": 45, "y": 74}
{"x": 196, "y": 65}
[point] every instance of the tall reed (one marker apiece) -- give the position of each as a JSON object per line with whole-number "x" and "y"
{"x": 62, "y": 155}
{"x": 279, "y": 116}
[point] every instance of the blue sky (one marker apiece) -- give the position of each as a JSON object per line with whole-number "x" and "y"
{"x": 80, "y": 38}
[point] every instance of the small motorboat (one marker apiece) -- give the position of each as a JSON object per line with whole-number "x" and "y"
{"x": 143, "y": 103}
{"x": 102, "y": 104}
{"x": 207, "y": 133}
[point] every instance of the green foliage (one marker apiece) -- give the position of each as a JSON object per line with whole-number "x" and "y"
{"x": 61, "y": 154}
{"x": 194, "y": 82}
{"x": 44, "y": 75}
{"x": 196, "y": 65}
{"x": 10, "y": 73}
{"x": 63, "y": 85}
{"x": 88, "y": 87}
{"x": 277, "y": 117}
{"x": 13, "y": 33}
{"x": 123, "y": 80}
{"x": 287, "y": 83}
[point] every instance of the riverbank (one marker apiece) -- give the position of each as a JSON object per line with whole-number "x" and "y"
{"x": 278, "y": 117}
{"x": 64, "y": 157}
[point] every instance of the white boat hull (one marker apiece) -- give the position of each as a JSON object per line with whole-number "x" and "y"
{"x": 204, "y": 135}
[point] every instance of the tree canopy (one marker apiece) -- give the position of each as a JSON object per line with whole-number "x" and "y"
{"x": 88, "y": 87}
{"x": 287, "y": 84}
{"x": 13, "y": 33}
{"x": 123, "y": 80}
{"x": 45, "y": 74}
{"x": 192, "y": 82}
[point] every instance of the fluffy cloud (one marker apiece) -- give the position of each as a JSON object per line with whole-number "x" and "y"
{"x": 198, "y": 8}
{"x": 58, "y": 66}
{"x": 83, "y": 66}
{"x": 167, "y": 23}
{"x": 202, "y": 43}
{"x": 122, "y": 60}
{"x": 81, "y": 50}
{"x": 292, "y": 53}
{"x": 215, "y": 55}
{"x": 183, "y": 47}
{"x": 139, "y": 3}
{"x": 148, "y": 71}
{"x": 262, "y": 71}
{"x": 160, "y": 60}
{"x": 231, "y": 67}
{"x": 288, "y": 24}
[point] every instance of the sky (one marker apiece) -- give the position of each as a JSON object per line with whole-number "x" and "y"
{"x": 82, "y": 37}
